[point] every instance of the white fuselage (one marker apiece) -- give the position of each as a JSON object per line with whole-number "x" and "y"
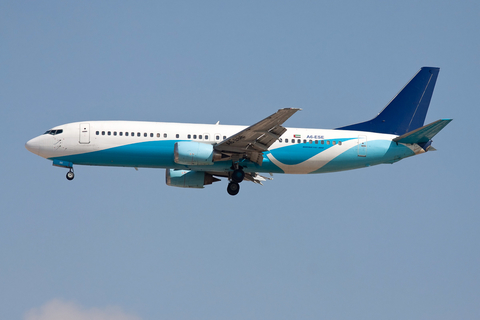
{"x": 151, "y": 144}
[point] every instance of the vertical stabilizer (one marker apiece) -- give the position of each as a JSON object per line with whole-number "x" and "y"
{"x": 407, "y": 110}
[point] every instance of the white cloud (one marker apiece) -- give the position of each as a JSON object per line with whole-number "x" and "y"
{"x": 63, "y": 310}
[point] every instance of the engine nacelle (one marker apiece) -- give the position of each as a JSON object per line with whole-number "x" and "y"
{"x": 188, "y": 178}
{"x": 194, "y": 153}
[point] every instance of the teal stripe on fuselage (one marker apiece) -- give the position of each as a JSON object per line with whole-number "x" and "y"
{"x": 378, "y": 152}
{"x": 159, "y": 154}
{"x": 154, "y": 154}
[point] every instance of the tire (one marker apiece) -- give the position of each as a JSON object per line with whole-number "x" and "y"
{"x": 238, "y": 175}
{"x": 233, "y": 188}
{"x": 70, "y": 175}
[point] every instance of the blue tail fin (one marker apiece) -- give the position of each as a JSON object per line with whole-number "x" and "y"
{"x": 407, "y": 111}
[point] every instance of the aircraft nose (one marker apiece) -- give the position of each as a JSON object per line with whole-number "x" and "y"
{"x": 33, "y": 145}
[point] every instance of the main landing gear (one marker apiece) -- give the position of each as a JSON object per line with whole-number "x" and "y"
{"x": 236, "y": 177}
{"x": 233, "y": 188}
{"x": 70, "y": 174}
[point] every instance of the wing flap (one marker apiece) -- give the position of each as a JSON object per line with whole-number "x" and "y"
{"x": 249, "y": 176}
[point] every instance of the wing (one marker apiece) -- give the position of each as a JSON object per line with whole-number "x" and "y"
{"x": 251, "y": 142}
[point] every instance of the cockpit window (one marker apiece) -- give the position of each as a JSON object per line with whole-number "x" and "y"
{"x": 54, "y": 132}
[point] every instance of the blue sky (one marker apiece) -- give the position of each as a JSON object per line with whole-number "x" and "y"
{"x": 393, "y": 241}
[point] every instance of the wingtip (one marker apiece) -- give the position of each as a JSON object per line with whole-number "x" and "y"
{"x": 296, "y": 109}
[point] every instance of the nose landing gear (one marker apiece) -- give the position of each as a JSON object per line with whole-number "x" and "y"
{"x": 70, "y": 174}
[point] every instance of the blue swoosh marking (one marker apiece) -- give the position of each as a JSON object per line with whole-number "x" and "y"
{"x": 298, "y": 153}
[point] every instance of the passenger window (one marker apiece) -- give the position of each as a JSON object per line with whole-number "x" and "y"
{"x": 316, "y": 141}
{"x": 103, "y": 133}
{"x": 194, "y": 136}
{"x": 177, "y": 136}
{"x": 126, "y": 134}
{"x": 339, "y": 143}
{"x": 286, "y": 140}
{"x": 138, "y": 134}
{"x": 310, "y": 141}
{"x": 120, "y": 133}
{"x": 158, "y": 135}
{"x": 299, "y": 141}
{"x": 280, "y": 140}
{"x": 98, "y": 132}
{"x": 145, "y": 134}
{"x": 334, "y": 142}
{"x": 206, "y": 137}
{"x": 217, "y": 137}
{"x": 328, "y": 141}
{"x": 133, "y": 134}
{"x": 109, "y": 133}
{"x": 304, "y": 141}
{"x": 151, "y": 135}
{"x": 114, "y": 133}
{"x": 189, "y": 136}
{"x": 224, "y": 137}
{"x": 164, "y": 135}
{"x": 200, "y": 136}
{"x": 323, "y": 141}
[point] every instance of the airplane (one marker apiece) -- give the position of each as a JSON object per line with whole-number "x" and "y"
{"x": 195, "y": 155}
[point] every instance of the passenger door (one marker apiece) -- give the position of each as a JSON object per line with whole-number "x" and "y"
{"x": 362, "y": 146}
{"x": 84, "y": 133}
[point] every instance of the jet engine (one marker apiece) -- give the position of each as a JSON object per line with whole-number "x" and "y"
{"x": 195, "y": 153}
{"x": 188, "y": 178}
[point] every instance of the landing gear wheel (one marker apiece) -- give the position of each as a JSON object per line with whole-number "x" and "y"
{"x": 70, "y": 175}
{"x": 233, "y": 188}
{"x": 238, "y": 175}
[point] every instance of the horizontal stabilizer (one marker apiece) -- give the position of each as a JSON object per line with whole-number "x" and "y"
{"x": 423, "y": 134}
